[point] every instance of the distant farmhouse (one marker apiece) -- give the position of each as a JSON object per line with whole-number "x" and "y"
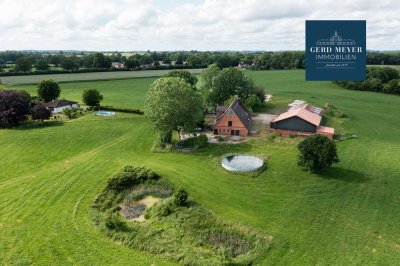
{"x": 234, "y": 120}
{"x": 303, "y": 120}
{"x": 58, "y": 106}
{"x": 118, "y": 65}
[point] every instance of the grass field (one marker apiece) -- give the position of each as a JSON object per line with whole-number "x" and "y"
{"x": 392, "y": 66}
{"x": 50, "y": 175}
{"x": 34, "y": 79}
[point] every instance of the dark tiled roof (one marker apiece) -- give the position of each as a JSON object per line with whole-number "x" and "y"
{"x": 237, "y": 108}
{"x": 220, "y": 110}
{"x": 59, "y": 103}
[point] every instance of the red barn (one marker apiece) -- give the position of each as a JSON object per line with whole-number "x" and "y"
{"x": 234, "y": 120}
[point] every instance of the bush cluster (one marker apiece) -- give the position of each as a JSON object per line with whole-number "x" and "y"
{"x": 379, "y": 79}
{"x": 129, "y": 176}
{"x": 194, "y": 142}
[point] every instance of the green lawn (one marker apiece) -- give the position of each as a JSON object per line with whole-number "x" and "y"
{"x": 350, "y": 215}
{"x": 34, "y": 79}
{"x": 118, "y": 93}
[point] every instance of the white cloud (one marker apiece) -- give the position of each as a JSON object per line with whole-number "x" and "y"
{"x": 201, "y": 25}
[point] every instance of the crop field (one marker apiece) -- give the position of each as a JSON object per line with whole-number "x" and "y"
{"x": 50, "y": 175}
{"x": 34, "y": 79}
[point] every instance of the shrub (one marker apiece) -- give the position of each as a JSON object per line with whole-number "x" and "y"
{"x": 130, "y": 176}
{"x": 115, "y": 221}
{"x": 181, "y": 197}
{"x": 14, "y": 107}
{"x": 317, "y": 152}
{"x": 194, "y": 142}
{"x": 71, "y": 113}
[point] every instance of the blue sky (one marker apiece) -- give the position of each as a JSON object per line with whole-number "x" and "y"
{"x": 132, "y": 25}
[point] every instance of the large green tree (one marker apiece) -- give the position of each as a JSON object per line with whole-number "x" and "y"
{"x": 317, "y": 152}
{"x": 171, "y": 104}
{"x": 92, "y": 97}
{"x": 184, "y": 74}
{"x": 48, "y": 90}
{"x": 228, "y": 83}
{"x": 208, "y": 76}
{"x": 68, "y": 63}
{"x": 23, "y": 64}
{"x": 42, "y": 65}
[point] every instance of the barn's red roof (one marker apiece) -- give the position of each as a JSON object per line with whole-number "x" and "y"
{"x": 302, "y": 113}
{"x": 327, "y": 130}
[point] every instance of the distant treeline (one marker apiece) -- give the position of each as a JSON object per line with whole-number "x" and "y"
{"x": 379, "y": 79}
{"x": 14, "y": 62}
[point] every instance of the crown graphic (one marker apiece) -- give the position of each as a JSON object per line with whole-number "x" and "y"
{"x": 336, "y": 39}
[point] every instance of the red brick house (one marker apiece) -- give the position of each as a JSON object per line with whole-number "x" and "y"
{"x": 234, "y": 120}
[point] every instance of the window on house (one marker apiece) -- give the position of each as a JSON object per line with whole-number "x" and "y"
{"x": 229, "y": 123}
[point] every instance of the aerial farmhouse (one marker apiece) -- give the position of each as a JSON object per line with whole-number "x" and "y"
{"x": 233, "y": 120}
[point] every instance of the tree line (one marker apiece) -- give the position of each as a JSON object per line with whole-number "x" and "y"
{"x": 43, "y": 62}
{"x": 379, "y": 79}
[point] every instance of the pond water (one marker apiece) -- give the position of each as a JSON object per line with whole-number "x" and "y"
{"x": 242, "y": 163}
{"x": 105, "y": 113}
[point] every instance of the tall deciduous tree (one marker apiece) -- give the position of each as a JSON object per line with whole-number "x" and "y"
{"x": 230, "y": 82}
{"x": 92, "y": 97}
{"x": 171, "y": 104}
{"x": 23, "y": 64}
{"x": 208, "y": 76}
{"x": 68, "y": 63}
{"x": 48, "y": 90}
{"x": 42, "y": 65}
{"x": 317, "y": 152}
{"x": 14, "y": 107}
{"x": 184, "y": 74}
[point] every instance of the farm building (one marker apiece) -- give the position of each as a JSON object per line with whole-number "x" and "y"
{"x": 234, "y": 120}
{"x": 58, "y": 106}
{"x": 118, "y": 65}
{"x": 304, "y": 120}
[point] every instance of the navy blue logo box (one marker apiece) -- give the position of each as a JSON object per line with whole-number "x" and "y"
{"x": 335, "y": 49}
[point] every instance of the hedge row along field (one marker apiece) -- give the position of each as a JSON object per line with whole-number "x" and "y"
{"x": 175, "y": 227}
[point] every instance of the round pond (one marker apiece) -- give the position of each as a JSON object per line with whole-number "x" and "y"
{"x": 105, "y": 113}
{"x": 242, "y": 163}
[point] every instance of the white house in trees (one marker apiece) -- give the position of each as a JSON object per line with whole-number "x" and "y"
{"x": 58, "y": 106}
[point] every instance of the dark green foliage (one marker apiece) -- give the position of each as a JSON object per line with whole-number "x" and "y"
{"x": 379, "y": 79}
{"x": 14, "y": 107}
{"x": 194, "y": 142}
{"x": 69, "y": 64}
{"x": 184, "y": 74}
{"x": 40, "y": 112}
{"x": 230, "y": 82}
{"x": 23, "y": 64}
{"x": 181, "y": 197}
{"x": 101, "y": 61}
{"x": 130, "y": 176}
{"x": 92, "y": 97}
{"x": 48, "y": 90}
{"x": 42, "y": 65}
{"x": 317, "y": 152}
